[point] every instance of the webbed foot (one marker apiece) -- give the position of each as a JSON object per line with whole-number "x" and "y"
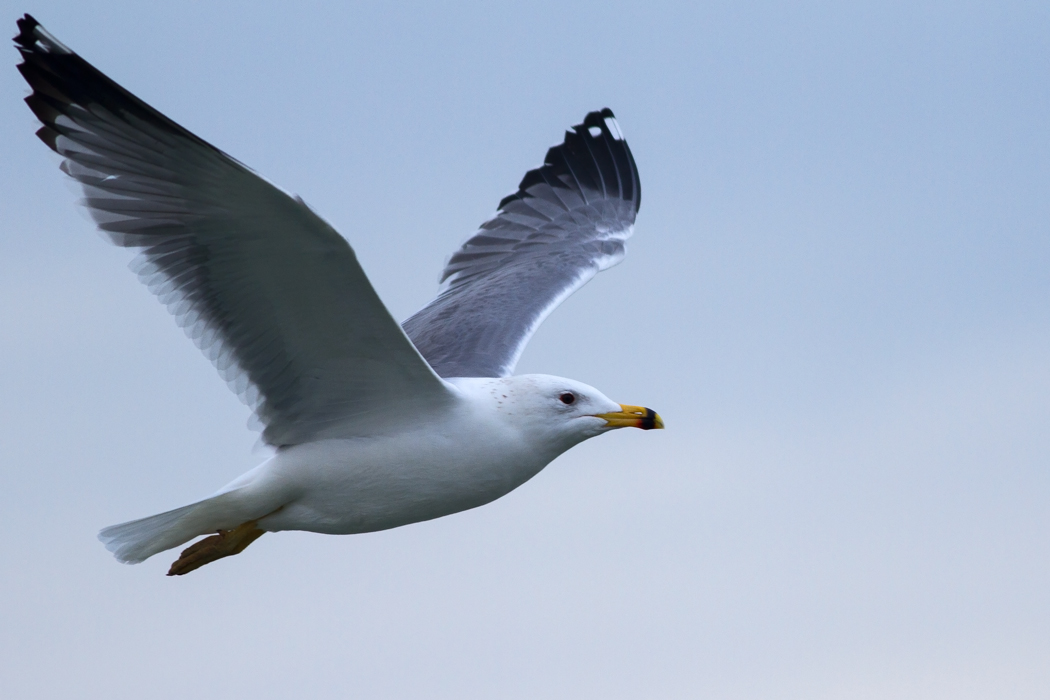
{"x": 224, "y": 544}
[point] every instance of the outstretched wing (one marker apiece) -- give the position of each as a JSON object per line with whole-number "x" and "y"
{"x": 567, "y": 221}
{"x": 271, "y": 294}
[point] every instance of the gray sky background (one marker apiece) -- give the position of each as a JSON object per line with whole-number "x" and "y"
{"x": 838, "y": 297}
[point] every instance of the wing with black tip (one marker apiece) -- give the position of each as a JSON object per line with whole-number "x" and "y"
{"x": 271, "y": 294}
{"x": 567, "y": 221}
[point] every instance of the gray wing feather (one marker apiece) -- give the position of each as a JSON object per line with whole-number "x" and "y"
{"x": 271, "y": 294}
{"x": 567, "y": 221}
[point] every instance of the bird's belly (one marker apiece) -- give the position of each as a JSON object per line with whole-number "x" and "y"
{"x": 353, "y": 486}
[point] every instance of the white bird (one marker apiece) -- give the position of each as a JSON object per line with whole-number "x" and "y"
{"x": 374, "y": 425}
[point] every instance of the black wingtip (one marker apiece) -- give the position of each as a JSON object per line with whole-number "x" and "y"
{"x": 61, "y": 79}
{"x": 33, "y": 38}
{"x": 595, "y": 148}
{"x": 26, "y": 26}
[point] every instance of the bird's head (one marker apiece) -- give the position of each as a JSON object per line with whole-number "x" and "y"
{"x": 562, "y": 411}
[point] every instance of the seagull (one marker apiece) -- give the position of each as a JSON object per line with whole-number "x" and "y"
{"x": 372, "y": 425}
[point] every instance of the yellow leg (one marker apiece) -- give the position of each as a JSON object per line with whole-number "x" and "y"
{"x": 224, "y": 544}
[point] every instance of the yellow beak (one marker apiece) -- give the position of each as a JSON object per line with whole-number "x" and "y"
{"x": 633, "y": 417}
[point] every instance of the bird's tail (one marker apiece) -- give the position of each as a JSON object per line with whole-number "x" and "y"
{"x": 135, "y": 541}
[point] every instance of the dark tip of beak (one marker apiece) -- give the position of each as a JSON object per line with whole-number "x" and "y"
{"x": 649, "y": 422}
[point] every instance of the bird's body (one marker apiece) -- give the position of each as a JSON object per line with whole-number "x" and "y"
{"x": 489, "y": 440}
{"x": 373, "y": 425}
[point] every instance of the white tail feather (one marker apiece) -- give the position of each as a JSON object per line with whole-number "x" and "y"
{"x": 135, "y": 541}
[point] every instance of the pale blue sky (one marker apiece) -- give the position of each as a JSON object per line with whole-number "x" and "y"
{"x": 838, "y": 297}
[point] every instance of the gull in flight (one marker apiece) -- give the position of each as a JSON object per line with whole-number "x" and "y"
{"x": 373, "y": 425}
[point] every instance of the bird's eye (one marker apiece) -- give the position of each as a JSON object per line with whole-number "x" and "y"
{"x": 568, "y": 398}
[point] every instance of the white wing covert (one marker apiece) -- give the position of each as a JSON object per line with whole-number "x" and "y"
{"x": 271, "y": 293}
{"x": 567, "y": 221}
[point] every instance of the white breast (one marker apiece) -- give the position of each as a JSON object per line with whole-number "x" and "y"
{"x": 461, "y": 459}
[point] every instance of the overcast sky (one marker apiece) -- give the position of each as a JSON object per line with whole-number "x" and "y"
{"x": 837, "y": 296}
